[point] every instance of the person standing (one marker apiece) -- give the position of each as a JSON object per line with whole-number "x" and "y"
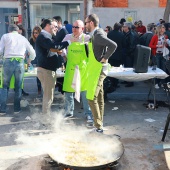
{"x": 76, "y": 56}
{"x": 13, "y": 46}
{"x": 68, "y": 27}
{"x": 47, "y": 64}
{"x": 129, "y": 49}
{"x": 116, "y": 58}
{"x": 62, "y": 32}
{"x": 100, "y": 49}
{"x": 35, "y": 32}
{"x": 141, "y": 29}
{"x": 157, "y": 44}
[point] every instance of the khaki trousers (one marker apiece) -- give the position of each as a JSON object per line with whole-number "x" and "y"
{"x": 48, "y": 80}
{"x": 97, "y": 104}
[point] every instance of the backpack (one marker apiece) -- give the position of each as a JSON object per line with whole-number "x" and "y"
{"x": 145, "y": 39}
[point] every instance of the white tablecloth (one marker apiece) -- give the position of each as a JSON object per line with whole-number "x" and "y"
{"x": 33, "y": 72}
{"x": 127, "y": 74}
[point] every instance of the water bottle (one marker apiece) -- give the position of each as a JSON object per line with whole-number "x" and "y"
{"x": 30, "y": 67}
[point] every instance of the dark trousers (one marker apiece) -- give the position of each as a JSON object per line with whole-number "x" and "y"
{"x": 115, "y": 63}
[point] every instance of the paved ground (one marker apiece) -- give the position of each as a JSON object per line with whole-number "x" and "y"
{"x": 141, "y": 138}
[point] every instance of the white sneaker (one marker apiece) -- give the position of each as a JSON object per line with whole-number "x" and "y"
{"x": 156, "y": 86}
{"x": 89, "y": 119}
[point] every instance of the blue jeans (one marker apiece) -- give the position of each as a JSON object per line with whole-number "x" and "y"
{"x": 159, "y": 60}
{"x": 9, "y": 68}
{"x": 69, "y": 103}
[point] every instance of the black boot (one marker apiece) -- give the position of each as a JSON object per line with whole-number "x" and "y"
{"x": 24, "y": 93}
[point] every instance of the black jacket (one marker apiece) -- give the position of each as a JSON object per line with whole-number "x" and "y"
{"x": 130, "y": 44}
{"x": 60, "y": 35}
{"x": 146, "y": 38}
{"x": 118, "y": 38}
{"x": 43, "y": 45}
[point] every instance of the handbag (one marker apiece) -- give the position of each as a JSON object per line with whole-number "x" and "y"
{"x": 165, "y": 52}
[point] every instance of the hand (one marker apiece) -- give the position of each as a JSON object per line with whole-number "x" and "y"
{"x": 159, "y": 46}
{"x": 28, "y": 61}
{"x": 55, "y": 50}
{"x": 103, "y": 60}
{"x": 59, "y": 52}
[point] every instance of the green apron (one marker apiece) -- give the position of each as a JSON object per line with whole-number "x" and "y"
{"x": 76, "y": 56}
{"x": 93, "y": 71}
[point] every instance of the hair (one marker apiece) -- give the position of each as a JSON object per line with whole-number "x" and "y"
{"x": 45, "y": 22}
{"x": 150, "y": 26}
{"x": 94, "y": 18}
{"x": 158, "y": 28}
{"x": 58, "y": 18}
{"x": 23, "y": 30}
{"x": 38, "y": 29}
{"x": 117, "y": 26}
{"x": 162, "y": 22}
{"x": 133, "y": 28}
{"x": 13, "y": 27}
{"x": 109, "y": 28}
{"x": 122, "y": 20}
{"x": 65, "y": 22}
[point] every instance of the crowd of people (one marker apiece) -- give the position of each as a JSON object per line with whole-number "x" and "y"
{"x": 128, "y": 35}
{"x": 84, "y": 49}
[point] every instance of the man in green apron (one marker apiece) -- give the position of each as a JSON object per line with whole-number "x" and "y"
{"x": 100, "y": 49}
{"x": 76, "y": 56}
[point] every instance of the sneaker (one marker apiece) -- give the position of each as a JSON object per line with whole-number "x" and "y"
{"x": 99, "y": 130}
{"x": 156, "y": 86}
{"x": 2, "y": 113}
{"x": 68, "y": 116}
{"x": 89, "y": 119}
{"x": 16, "y": 112}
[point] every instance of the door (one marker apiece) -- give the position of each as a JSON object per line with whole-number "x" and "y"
{"x": 73, "y": 16}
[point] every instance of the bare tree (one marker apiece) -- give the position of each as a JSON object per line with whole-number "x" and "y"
{"x": 167, "y": 11}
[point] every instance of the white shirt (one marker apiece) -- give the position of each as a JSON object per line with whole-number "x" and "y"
{"x": 79, "y": 39}
{"x": 15, "y": 45}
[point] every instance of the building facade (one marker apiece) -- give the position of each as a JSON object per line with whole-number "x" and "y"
{"x": 109, "y": 11}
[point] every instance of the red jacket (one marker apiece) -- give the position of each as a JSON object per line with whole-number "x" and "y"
{"x": 141, "y": 29}
{"x": 153, "y": 43}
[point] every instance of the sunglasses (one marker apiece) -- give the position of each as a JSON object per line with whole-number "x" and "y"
{"x": 75, "y": 27}
{"x": 87, "y": 22}
{"x": 35, "y": 32}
